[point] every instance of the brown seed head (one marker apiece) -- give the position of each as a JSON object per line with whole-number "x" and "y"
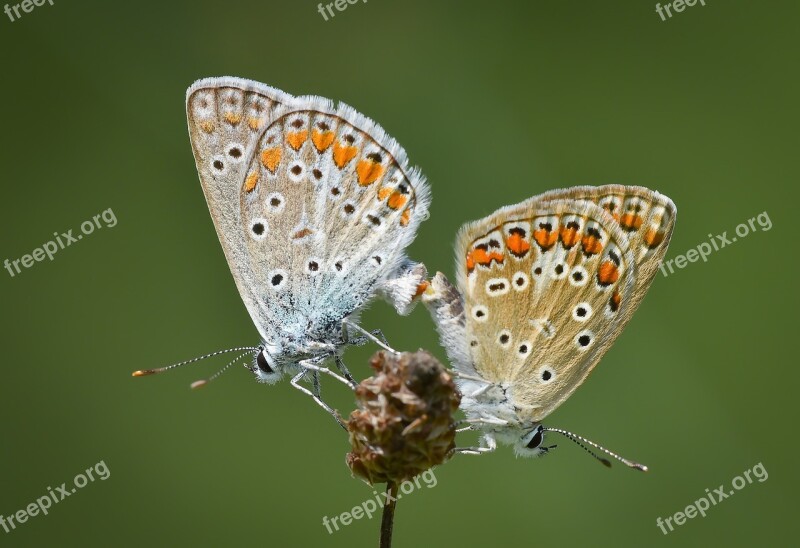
{"x": 404, "y": 423}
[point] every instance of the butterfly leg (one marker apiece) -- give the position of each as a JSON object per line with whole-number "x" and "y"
{"x": 492, "y": 421}
{"x": 360, "y": 341}
{"x": 472, "y": 422}
{"x": 315, "y": 395}
{"x": 490, "y": 446}
{"x": 470, "y": 377}
{"x": 343, "y": 368}
{"x": 370, "y": 336}
{"x": 310, "y": 365}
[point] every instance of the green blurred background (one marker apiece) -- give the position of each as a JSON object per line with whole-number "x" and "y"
{"x": 496, "y": 102}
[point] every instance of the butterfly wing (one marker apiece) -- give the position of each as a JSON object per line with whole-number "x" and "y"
{"x": 547, "y": 287}
{"x": 226, "y": 116}
{"x": 647, "y": 219}
{"x": 325, "y": 206}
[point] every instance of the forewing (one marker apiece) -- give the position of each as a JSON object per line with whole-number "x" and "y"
{"x": 226, "y": 117}
{"x": 546, "y": 287}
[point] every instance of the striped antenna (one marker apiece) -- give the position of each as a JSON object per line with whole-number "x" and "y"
{"x": 203, "y": 382}
{"x": 578, "y": 439}
{"x": 145, "y": 372}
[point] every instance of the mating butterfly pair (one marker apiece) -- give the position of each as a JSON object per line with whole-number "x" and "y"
{"x": 314, "y": 205}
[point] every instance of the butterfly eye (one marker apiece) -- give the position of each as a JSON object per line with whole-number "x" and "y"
{"x": 537, "y": 439}
{"x": 263, "y": 363}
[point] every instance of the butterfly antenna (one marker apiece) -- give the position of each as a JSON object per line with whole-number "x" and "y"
{"x": 580, "y": 440}
{"x": 203, "y": 382}
{"x": 145, "y": 372}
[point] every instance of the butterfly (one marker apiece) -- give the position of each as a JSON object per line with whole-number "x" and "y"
{"x": 543, "y": 288}
{"x": 314, "y": 206}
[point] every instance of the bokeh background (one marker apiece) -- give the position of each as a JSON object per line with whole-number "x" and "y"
{"x": 496, "y": 101}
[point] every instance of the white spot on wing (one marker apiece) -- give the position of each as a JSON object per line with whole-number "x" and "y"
{"x": 480, "y": 313}
{"x": 497, "y": 286}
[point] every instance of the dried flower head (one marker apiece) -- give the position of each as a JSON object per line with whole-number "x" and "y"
{"x": 404, "y": 424}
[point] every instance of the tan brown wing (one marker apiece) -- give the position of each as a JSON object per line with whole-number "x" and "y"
{"x": 647, "y": 219}
{"x": 547, "y": 287}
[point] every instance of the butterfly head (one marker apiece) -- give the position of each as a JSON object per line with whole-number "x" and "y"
{"x": 530, "y": 444}
{"x": 267, "y": 364}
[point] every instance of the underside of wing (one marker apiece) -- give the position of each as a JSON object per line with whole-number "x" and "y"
{"x": 226, "y": 117}
{"x": 647, "y": 219}
{"x": 329, "y": 205}
{"x": 547, "y": 288}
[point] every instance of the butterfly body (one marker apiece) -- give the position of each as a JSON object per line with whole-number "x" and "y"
{"x": 543, "y": 289}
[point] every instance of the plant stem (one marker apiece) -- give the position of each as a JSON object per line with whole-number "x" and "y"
{"x": 387, "y": 521}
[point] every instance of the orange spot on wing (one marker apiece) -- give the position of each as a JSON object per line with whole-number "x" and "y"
{"x": 232, "y": 118}
{"x": 251, "y": 182}
{"x": 255, "y": 123}
{"x": 569, "y": 237}
{"x": 615, "y": 301}
{"x": 342, "y": 154}
{"x": 483, "y": 257}
{"x": 302, "y": 233}
{"x": 207, "y": 126}
{"x": 545, "y": 238}
{"x": 383, "y": 193}
{"x": 653, "y": 238}
{"x": 297, "y": 138}
{"x": 608, "y": 273}
{"x": 470, "y": 262}
{"x": 321, "y": 139}
{"x": 405, "y": 217}
{"x": 591, "y": 245}
{"x": 368, "y": 172}
{"x": 630, "y": 221}
{"x": 518, "y": 246}
{"x": 421, "y": 288}
{"x": 271, "y": 157}
{"x": 397, "y": 200}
